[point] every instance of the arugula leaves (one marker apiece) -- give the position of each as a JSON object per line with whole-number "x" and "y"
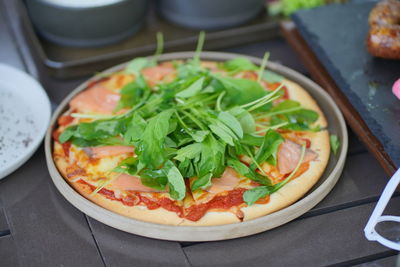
{"x": 254, "y": 194}
{"x": 195, "y": 126}
{"x": 242, "y": 169}
{"x": 335, "y": 143}
{"x": 243, "y": 64}
{"x": 296, "y": 117}
{"x": 176, "y": 184}
{"x": 239, "y": 64}
{"x": 231, "y": 122}
{"x": 136, "y": 65}
{"x": 193, "y": 89}
{"x": 151, "y": 147}
{"x": 188, "y": 152}
{"x": 128, "y": 166}
{"x": 272, "y": 77}
{"x": 240, "y": 91}
{"x": 246, "y": 120}
{"x": 91, "y": 133}
{"x": 132, "y": 93}
{"x": 211, "y": 162}
{"x": 135, "y": 129}
{"x": 268, "y": 149}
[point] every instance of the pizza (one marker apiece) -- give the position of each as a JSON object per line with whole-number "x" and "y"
{"x": 192, "y": 142}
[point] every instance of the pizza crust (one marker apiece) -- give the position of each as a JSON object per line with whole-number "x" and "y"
{"x": 287, "y": 195}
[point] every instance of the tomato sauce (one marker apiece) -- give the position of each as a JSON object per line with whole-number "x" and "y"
{"x": 134, "y": 198}
{"x": 193, "y": 213}
{"x": 74, "y": 170}
{"x": 277, "y": 177}
{"x": 131, "y": 200}
{"x": 307, "y": 141}
{"x": 273, "y": 86}
{"x": 164, "y": 203}
{"x": 108, "y": 193}
{"x": 250, "y": 75}
{"x": 65, "y": 120}
{"x": 66, "y": 147}
{"x": 263, "y": 200}
{"x": 302, "y": 169}
{"x": 56, "y": 134}
{"x": 231, "y": 199}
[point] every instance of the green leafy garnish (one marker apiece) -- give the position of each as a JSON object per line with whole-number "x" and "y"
{"x": 160, "y": 47}
{"x": 239, "y": 64}
{"x": 262, "y": 67}
{"x": 136, "y": 65}
{"x": 272, "y": 77}
{"x": 132, "y": 93}
{"x": 240, "y": 91}
{"x": 151, "y": 147}
{"x": 199, "y": 48}
{"x": 335, "y": 143}
{"x": 192, "y": 90}
{"x": 242, "y": 169}
{"x": 176, "y": 184}
{"x": 188, "y": 152}
{"x": 269, "y": 148}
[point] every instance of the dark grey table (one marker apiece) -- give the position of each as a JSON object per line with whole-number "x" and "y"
{"x": 38, "y": 227}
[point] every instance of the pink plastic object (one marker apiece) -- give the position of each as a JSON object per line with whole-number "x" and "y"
{"x": 396, "y": 88}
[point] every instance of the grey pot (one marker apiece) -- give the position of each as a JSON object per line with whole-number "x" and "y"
{"x": 86, "y": 23}
{"x": 210, "y": 14}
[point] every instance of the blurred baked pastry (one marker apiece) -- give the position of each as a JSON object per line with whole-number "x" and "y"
{"x": 384, "y": 34}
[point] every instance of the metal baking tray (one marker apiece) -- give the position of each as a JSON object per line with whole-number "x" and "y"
{"x": 69, "y": 62}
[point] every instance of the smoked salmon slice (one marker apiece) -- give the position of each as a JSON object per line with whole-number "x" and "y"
{"x": 157, "y": 73}
{"x": 97, "y": 99}
{"x": 289, "y": 154}
{"x": 128, "y": 182}
{"x": 228, "y": 181}
{"x": 108, "y": 151}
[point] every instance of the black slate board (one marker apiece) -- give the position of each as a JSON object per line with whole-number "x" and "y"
{"x": 336, "y": 34}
